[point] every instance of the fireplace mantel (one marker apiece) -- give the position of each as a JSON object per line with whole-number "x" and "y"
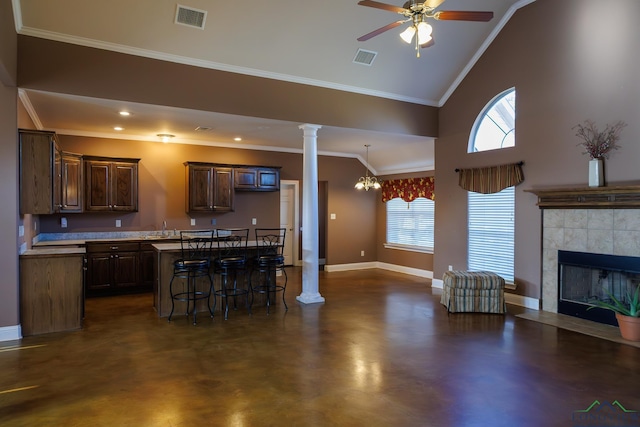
{"x": 623, "y": 197}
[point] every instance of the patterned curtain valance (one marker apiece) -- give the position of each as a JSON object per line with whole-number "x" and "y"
{"x": 492, "y": 179}
{"x": 408, "y": 189}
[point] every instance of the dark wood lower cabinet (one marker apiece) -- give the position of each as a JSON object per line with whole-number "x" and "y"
{"x": 51, "y": 298}
{"x": 113, "y": 268}
{"x": 119, "y": 267}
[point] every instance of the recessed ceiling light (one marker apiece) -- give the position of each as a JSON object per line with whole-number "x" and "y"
{"x": 125, "y": 113}
{"x": 237, "y": 139}
{"x": 165, "y": 137}
{"x": 118, "y": 128}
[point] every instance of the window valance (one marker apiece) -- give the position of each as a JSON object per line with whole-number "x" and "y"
{"x": 408, "y": 189}
{"x": 492, "y": 179}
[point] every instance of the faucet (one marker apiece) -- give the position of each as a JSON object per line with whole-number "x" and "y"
{"x": 164, "y": 227}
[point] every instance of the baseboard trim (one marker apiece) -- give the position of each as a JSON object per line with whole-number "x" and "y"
{"x": 348, "y": 267}
{"x": 381, "y": 265}
{"x": 522, "y": 301}
{"x": 407, "y": 270}
{"x": 10, "y": 333}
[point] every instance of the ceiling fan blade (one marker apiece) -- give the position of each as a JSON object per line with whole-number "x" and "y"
{"x": 433, "y": 3}
{"x": 380, "y": 30}
{"x": 383, "y": 6}
{"x": 455, "y": 15}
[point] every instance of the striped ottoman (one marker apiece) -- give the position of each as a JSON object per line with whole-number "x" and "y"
{"x": 473, "y": 291}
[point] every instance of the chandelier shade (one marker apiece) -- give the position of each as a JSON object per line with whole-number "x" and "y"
{"x": 367, "y": 182}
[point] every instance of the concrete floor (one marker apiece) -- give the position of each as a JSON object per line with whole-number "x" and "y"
{"x": 381, "y": 351}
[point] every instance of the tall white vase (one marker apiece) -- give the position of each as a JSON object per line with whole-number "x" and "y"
{"x": 596, "y": 173}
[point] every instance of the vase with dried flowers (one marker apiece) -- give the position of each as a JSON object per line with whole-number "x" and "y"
{"x": 598, "y": 144}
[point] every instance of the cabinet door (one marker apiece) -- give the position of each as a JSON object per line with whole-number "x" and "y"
{"x": 199, "y": 188}
{"x": 56, "y": 196}
{"x": 223, "y": 189}
{"x": 268, "y": 179}
{"x": 37, "y": 157}
{"x": 125, "y": 269}
{"x": 98, "y": 176}
{"x": 99, "y": 277}
{"x": 245, "y": 178}
{"x": 71, "y": 183}
{"x": 124, "y": 187}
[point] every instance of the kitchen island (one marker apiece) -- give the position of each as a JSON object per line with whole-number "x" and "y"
{"x": 165, "y": 255}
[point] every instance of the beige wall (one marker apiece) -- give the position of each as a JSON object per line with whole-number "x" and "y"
{"x": 162, "y": 194}
{"x": 569, "y": 62}
{"x": 98, "y": 73}
{"x": 8, "y": 170}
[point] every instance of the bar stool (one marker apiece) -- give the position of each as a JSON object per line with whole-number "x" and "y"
{"x": 269, "y": 263}
{"x": 230, "y": 265}
{"x": 195, "y": 263}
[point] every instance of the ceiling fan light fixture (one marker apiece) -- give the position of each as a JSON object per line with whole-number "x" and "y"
{"x": 424, "y": 33}
{"x": 407, "y": 35}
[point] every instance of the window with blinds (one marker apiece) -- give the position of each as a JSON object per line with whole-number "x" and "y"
{"x": 410, "y": 225}
{"x": 491, "y": 232}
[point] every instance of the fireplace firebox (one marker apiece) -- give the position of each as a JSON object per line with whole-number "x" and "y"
{"x": 585, "y": 278}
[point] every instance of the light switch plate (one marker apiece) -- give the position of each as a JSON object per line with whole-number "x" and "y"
{"x": 333, "y": 216}
{"x": 193, "y": 221}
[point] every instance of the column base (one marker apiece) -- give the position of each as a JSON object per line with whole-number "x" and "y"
{"x": 306, "y": 298}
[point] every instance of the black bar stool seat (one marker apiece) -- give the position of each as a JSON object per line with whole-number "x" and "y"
{"x": 194, "y": 263}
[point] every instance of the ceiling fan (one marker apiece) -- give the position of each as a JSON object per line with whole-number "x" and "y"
{"x": 417, "y": 14}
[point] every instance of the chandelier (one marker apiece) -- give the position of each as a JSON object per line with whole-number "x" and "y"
{"x": 366, "y": 182}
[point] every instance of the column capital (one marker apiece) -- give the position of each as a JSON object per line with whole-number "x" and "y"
{"x": 309, "y": 127}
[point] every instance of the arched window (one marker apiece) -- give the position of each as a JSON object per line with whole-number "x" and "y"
{"x": 491, "y": 217}
{"x": 495, "y": 126}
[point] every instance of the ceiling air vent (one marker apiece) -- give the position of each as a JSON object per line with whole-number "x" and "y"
{"x": 191, "y": 17}
{"x": 365, "y": 57}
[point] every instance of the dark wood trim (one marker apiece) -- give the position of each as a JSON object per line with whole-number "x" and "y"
{"x": 588, "y": 197}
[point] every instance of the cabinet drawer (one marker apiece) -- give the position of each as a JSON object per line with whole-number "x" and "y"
{"x": 113, "y": 247}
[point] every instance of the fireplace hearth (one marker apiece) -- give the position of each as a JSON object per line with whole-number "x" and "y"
{"x": 585, "y": 278}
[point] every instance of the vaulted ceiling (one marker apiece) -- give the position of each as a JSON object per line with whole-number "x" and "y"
{"x": 308, "y": 42}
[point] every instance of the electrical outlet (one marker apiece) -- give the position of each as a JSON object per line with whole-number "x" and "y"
{"x": 63, "y": 222}
{"x": 118, "y": 223}
{"x": 21, "y": 230}
{"x": 361, "y": 253}
{"x": 213, "y": 221}
{"x": 254, "y": 221}
{"x": 450, "y": 267}
{"x": 193, "y": 221}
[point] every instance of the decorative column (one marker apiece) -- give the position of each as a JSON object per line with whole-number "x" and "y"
{"x": 310, "y": 251}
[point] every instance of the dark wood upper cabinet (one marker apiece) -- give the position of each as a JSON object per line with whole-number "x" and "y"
{"x": 50, "y": 179}
{"x": 111, "y": 184}
{"x": 249, "y": 178}
{"x": 38, "y": 156}
{"x": 208, "y": 187}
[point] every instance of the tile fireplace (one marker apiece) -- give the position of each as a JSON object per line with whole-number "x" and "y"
{"x": 602, "y": 222}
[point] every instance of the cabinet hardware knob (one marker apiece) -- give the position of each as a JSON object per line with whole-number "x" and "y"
{"x": 114, "y": 248}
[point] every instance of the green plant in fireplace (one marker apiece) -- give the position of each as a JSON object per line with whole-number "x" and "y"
{"x": 629, "y": 308}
